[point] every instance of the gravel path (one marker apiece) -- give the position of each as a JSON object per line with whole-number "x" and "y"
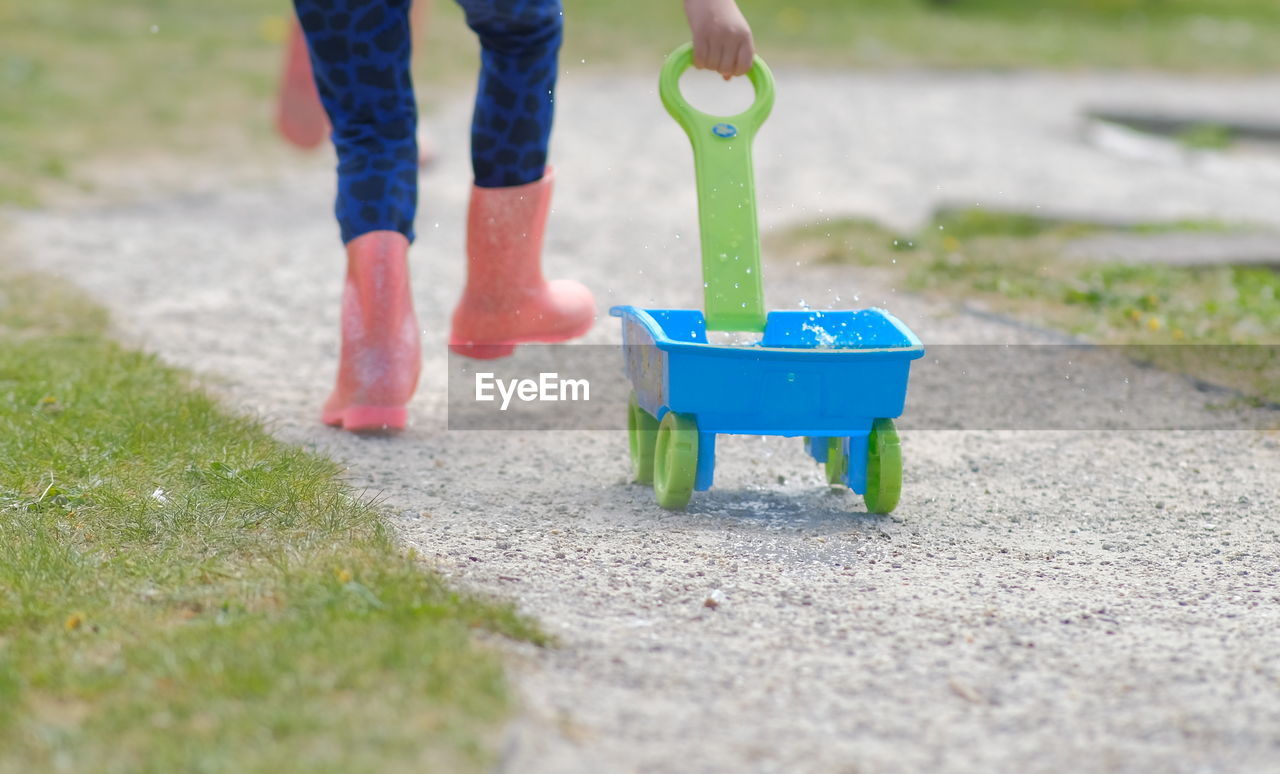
{"x": 1065, "y": 601}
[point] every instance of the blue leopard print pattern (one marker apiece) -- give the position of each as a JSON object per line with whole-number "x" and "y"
{"x": 360, "y": 55}
{"x": 515, "y": 97}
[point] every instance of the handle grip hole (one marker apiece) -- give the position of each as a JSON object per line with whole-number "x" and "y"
{"x": 706, "y": 90}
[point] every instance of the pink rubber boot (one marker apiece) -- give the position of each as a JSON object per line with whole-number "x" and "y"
{"x": 506, "y": 300}
{"x": 300, "y": 118}
{"x": 381, "y": 357}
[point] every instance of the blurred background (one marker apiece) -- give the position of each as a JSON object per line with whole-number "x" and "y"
{"x": 1168, "y": 197}
{"x": 83, "y": 78}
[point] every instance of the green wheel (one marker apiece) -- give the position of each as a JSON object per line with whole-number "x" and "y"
{"x": 675, "y": 460}
{"x": 884, "y": 467}
{"x": 837, "y": 465}
{"x": 642, "y": 435}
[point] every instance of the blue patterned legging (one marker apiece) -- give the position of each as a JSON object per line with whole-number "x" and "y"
{"x": 360, "y": 52}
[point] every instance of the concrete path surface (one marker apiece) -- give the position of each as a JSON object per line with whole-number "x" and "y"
{"x": 1040, "y": 601}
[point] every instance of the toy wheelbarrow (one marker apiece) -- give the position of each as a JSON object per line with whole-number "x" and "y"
{"x": 835, "y": 378}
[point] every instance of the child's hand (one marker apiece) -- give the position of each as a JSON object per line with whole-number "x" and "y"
{"x": 721, "y": 37}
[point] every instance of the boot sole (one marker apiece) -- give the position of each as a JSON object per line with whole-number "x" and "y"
{"x": 368, "y": 419}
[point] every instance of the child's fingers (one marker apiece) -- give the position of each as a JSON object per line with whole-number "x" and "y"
{"x": 746, "y": 52}
{"x": 728, "y": 59}
{"x": 715, "y": 55}
{"x": 700, "y": 53}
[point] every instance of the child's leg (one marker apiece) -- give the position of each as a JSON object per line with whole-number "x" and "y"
{"x": 520, "y": 43}
{"x": 506, "y": 300}
{"x": 300, "y": 118}
{"x": 360, "y": 52}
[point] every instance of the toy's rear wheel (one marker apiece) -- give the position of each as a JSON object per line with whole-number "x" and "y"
{"x": 675, "y": 460}
{"x": 837, "y": 464}
{"x": 642, "y": 436}
{"x": 884, "y": 467}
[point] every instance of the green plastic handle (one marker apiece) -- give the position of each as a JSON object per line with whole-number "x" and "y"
{"x": 726, "y": 195}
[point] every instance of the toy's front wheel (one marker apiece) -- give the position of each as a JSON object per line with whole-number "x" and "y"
{"x": 642, "y": 435}
{"x": 675, "y": 460}
{"x": 884, "y": 467}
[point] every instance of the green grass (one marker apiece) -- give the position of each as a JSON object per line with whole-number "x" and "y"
{"x": 1189, "y": 35}
{"x": 1012, "y": 263}
{"x": 84, "y": 78}
{"x": 1207, "y": 137}
{"x": 180, "y": 592}
{"x": 81, "y": 77}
